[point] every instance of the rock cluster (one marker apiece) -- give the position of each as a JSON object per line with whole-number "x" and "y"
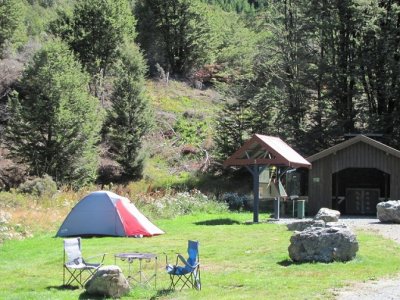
{"x": 5, "y": 233}
{"x": 322, "y": 239}
{"x": 324, "y": 218}
{"x": 108, "y": 281}
{"x": 4, "y": 217}
{"x": 389, "y": 211}
{"x": 10, "y": 231}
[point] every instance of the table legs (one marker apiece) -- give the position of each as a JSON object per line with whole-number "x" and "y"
{"x": 140, "y": 276}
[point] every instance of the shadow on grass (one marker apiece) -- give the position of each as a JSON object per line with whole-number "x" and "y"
{"x": 216, "y": 222}
{"x": 87, "y": 296}
{"x": 287, "y": 263}
{"x": 162, "y": 293}
{"x": 62, "y": 287}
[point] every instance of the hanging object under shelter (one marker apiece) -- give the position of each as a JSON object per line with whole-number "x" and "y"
{"x": 260, "y": 152}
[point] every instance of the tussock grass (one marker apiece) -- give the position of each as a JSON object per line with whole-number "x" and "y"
{"x": 239, "y": 261}
{"x": 178, "y": 97}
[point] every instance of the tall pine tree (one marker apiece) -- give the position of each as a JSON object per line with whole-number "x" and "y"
{"x": 129, "y": 118}
{"x": 54, "y": 123}
{"x": 174, "y": 34}
{"x": 96, "y": 31}
{"x": 11, "y": 23}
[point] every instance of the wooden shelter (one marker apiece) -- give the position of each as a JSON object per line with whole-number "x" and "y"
{"x": 353, "y": 176}
{"x": 262, "y": 151}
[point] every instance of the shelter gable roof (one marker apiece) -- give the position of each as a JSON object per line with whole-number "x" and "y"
{"x": 359, "y": 138}
{"x": 266, "y": 150}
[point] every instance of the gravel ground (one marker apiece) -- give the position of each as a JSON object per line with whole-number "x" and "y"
{"x": 383, "y": 289}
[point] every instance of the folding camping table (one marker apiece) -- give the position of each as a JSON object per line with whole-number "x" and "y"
{"x": 139, "y": 276}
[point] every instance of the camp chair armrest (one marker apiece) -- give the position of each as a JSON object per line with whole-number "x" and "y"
{"x": 99, "y": 255}
{"x": 194, "y": 266}
{"x": 185, "y": 262}
{"x": 166, "y": 258}
{"x": 179, "y": 257}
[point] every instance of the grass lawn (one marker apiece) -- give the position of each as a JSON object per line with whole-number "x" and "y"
{"x": 239, "y": 261}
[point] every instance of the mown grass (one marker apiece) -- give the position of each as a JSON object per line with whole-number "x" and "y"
{"x": 239, "y": 261}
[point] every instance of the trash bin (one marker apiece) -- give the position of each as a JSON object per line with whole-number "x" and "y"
{"x": 300, "y": 208}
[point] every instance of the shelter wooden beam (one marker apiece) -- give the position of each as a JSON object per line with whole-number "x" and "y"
{"x": 262, "y": 151}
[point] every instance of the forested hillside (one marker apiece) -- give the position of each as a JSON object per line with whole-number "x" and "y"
{"x": 113, "y": 91}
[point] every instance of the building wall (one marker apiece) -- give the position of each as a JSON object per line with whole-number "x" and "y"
{"x": 359, "y": 155}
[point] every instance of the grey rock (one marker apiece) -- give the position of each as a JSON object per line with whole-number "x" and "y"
{"x": 327, "y": 215}
{"x": 323, "y": 245}
{"x": 304, "y": 224}
{"x": 108, "y": 281}
{"x": 336, "y": 224}
{"x": 4, "y": 217}
{"x": 389, "y": 211}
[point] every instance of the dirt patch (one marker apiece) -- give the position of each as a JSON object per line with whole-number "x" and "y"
{"x": 386, "y": 288}
{"x": 370, "y": 290}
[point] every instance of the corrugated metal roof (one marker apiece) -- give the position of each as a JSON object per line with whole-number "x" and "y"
{"x": 266, "y": 150}
{"x": 358, "y": 138}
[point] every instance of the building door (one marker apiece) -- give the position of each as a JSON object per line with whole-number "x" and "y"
{"x": 361, "y": 201}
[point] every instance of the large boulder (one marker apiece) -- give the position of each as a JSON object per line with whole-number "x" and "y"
{"x": 304, "y": 224}
{"x": 327, "y": 215}
{"x": 108, "y": 281}
{"x": 323, "y": 245}
{"x": 389, "y": 211}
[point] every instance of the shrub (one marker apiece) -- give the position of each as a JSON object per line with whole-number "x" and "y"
{"x": 12, "y": 199}
{"x": 191, "y": 130}
{"x": 40, "y": 187}
{"x": 185, "y": 203}
{"x": 234, "y": 200}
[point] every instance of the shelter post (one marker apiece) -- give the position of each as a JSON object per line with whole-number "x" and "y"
{"x": 255, "y": 172}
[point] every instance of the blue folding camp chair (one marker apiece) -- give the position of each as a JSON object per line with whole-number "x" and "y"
{"x": 187, "y": 274}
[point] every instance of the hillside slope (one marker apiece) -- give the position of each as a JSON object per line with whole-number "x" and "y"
{"x": 182, "y": 136}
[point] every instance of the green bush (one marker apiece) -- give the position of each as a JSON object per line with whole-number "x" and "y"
{"x": 234, "y": 200}
{"x": 40, "y": 187}
{"x": 12, "y": 199}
